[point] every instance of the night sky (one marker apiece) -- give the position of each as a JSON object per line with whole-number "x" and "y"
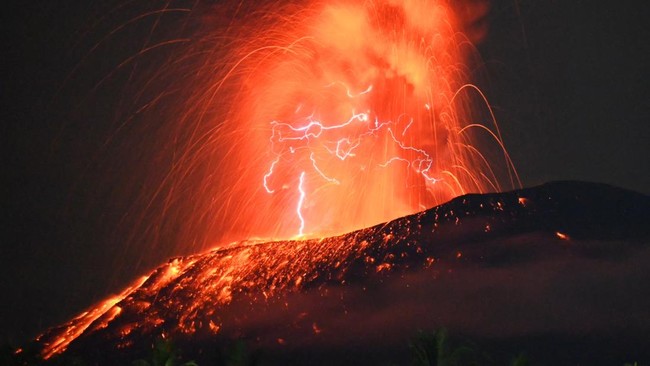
{"x": 568, "y": 81}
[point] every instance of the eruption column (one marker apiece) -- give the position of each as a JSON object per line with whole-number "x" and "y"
{"x": 366, "y": 102}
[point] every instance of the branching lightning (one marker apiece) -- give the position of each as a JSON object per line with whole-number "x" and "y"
{"x": 370, "y": 102}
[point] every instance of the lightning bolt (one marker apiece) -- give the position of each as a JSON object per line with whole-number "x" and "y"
{"x": 300, "y": 203}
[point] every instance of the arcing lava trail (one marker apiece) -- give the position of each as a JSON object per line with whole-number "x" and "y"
{"x": 216, "y": 295}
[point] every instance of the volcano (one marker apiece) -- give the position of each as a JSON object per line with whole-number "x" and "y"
{"x": 558, "y": 270}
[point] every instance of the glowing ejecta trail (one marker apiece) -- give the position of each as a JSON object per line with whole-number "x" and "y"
{"x": 300, "y": 202}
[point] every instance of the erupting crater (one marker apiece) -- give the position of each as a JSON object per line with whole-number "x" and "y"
{"x": 320, "y": 122}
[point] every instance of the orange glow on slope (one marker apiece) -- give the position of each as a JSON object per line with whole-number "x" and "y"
{"x": 214, "y": 293}
{"x": 75, "y": 327}
{"x": 191, "y": 295}
{"x": 368, "y": 105}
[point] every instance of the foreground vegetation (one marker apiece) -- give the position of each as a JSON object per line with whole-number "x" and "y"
{"x": 435, "y": 348}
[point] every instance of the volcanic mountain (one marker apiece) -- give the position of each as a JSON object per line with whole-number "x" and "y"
{"x": 558, "y": 270}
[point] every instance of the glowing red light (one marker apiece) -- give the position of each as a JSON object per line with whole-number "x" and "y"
{"x": 562, "y": 236}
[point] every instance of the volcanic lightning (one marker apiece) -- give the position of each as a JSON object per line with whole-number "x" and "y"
{"x": 370, "y": 102}
{"x": 312, "y": 120}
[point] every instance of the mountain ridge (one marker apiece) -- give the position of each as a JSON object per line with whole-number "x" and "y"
{"x": 213, "y": 296}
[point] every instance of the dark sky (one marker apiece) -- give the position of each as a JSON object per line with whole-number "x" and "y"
{"x": 568, "y": 81}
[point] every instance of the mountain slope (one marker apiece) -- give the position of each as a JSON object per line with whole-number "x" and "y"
{"x": 561, "y": 259}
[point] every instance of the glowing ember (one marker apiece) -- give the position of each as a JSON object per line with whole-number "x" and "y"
{"x": 562, "y": 236}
